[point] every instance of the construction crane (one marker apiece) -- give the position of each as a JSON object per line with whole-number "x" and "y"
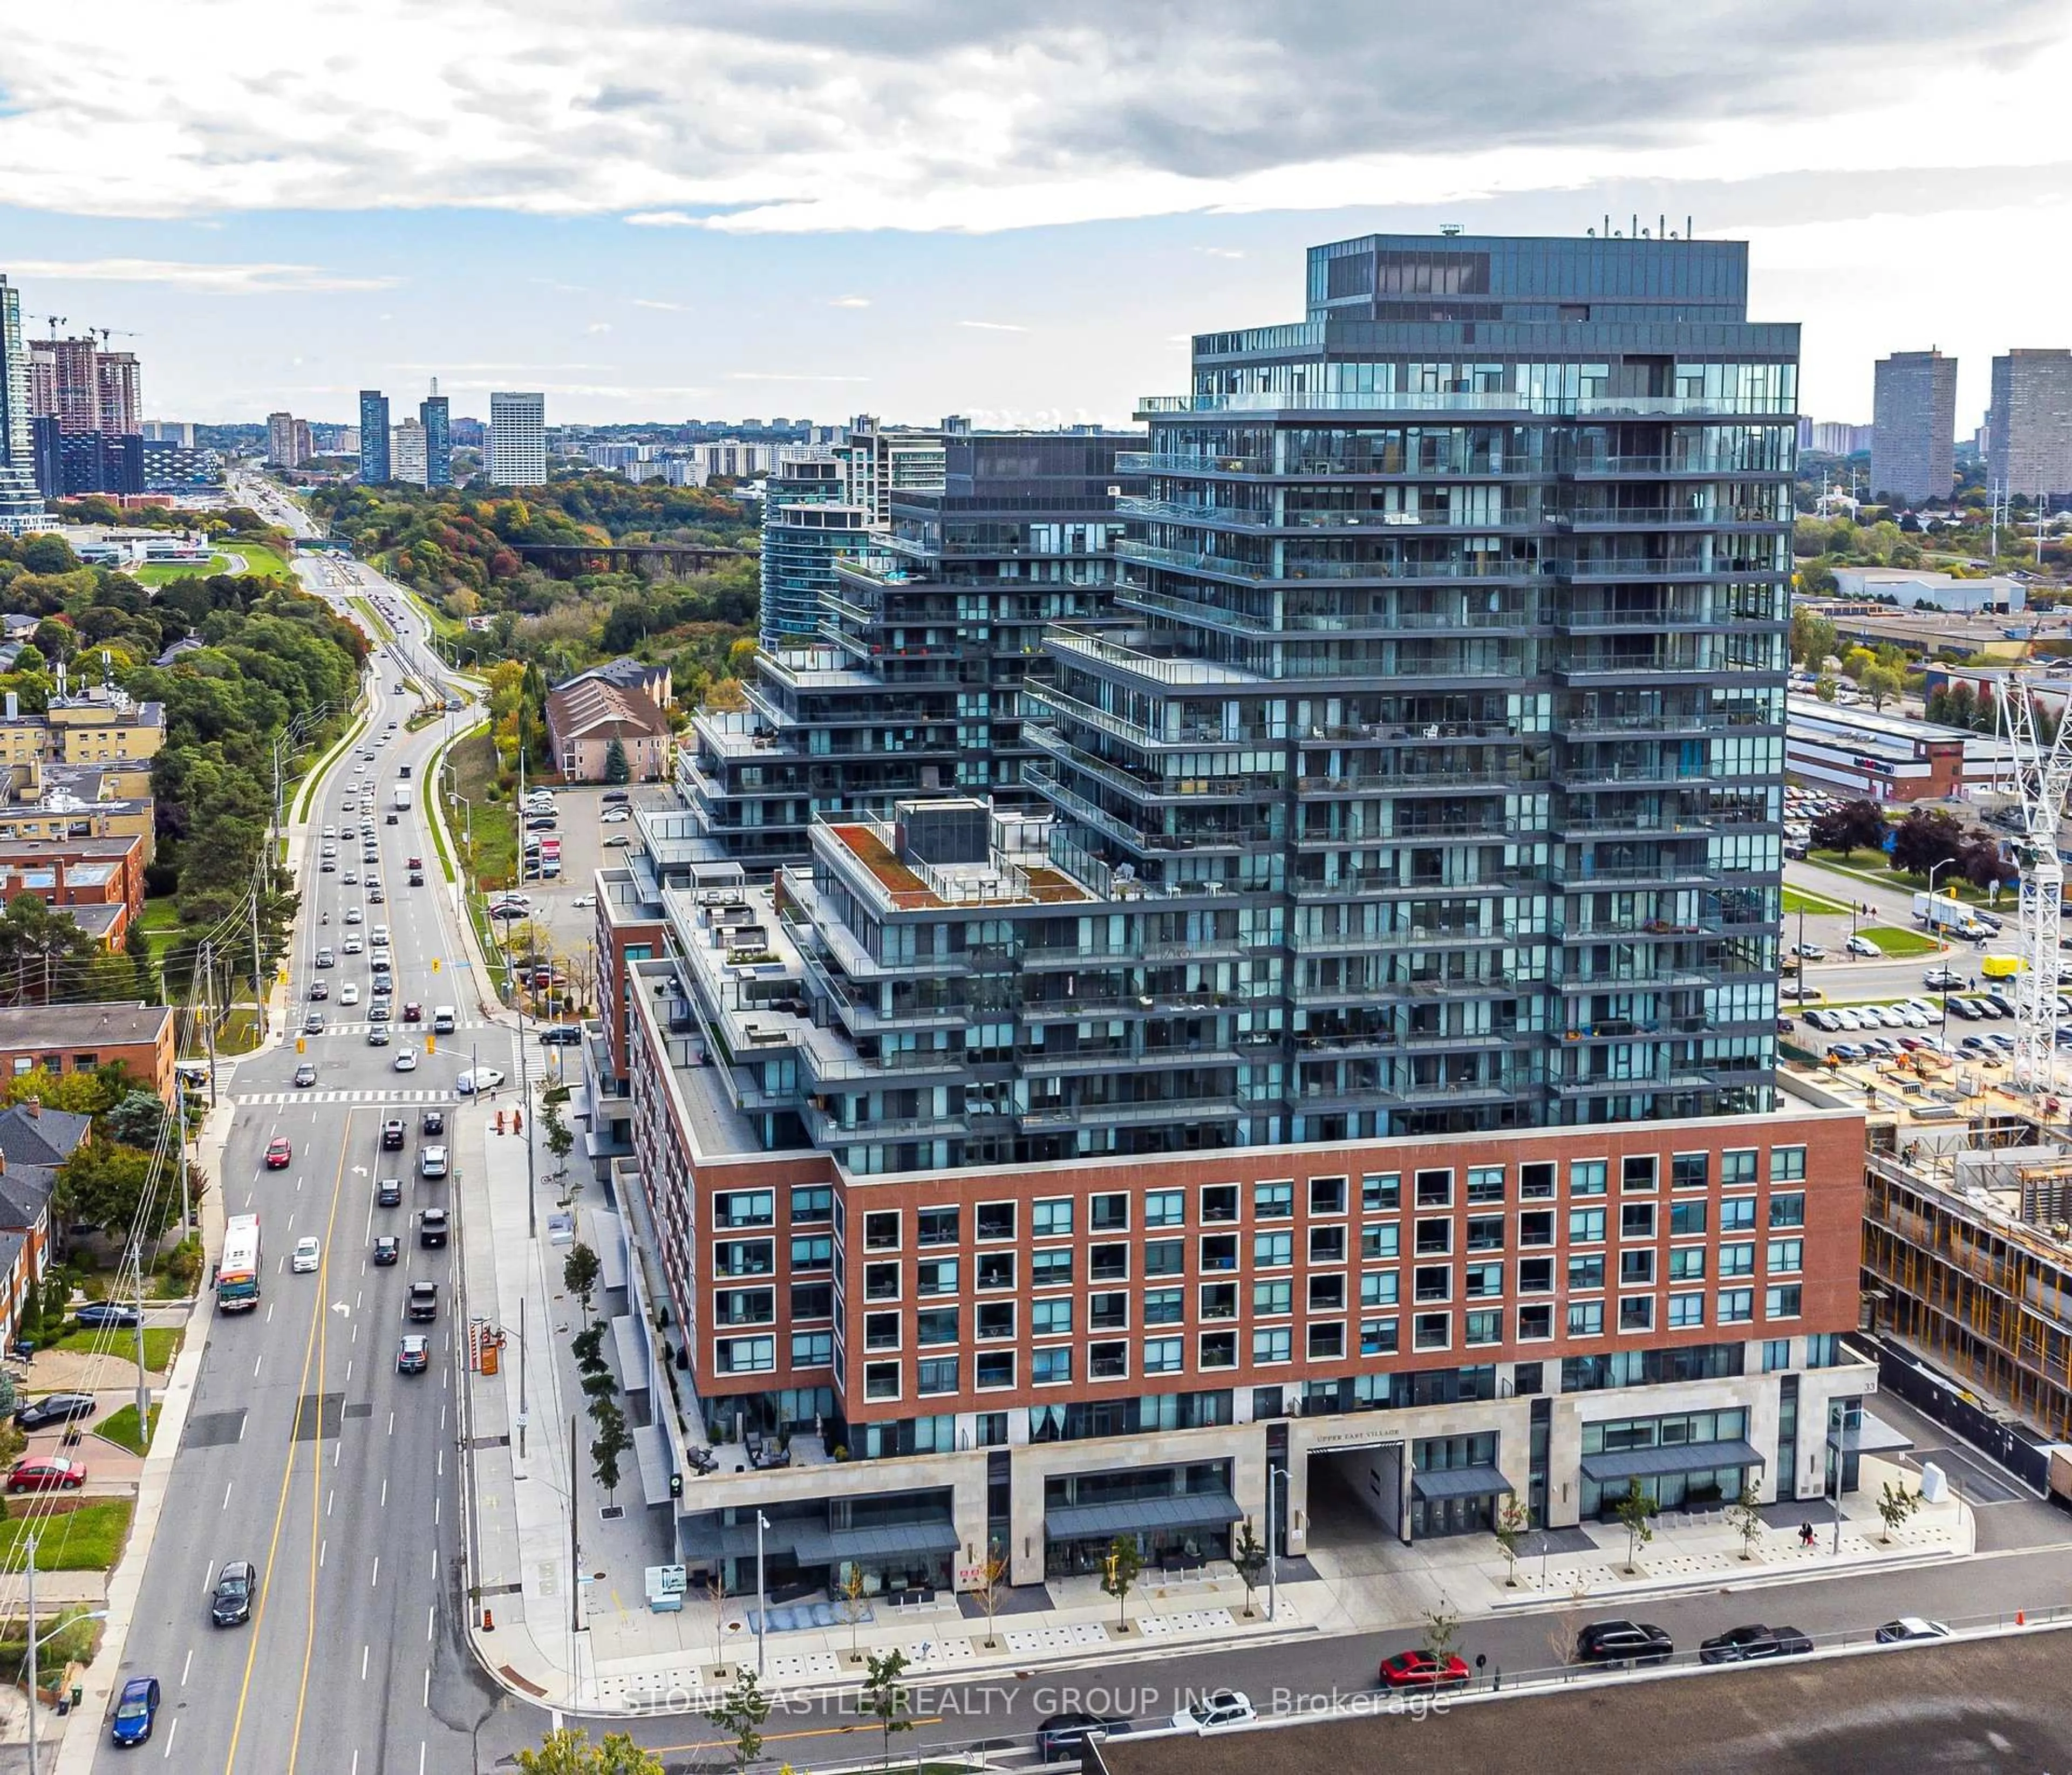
{"x": 56, "y": 321}
{"x": 2042, "y": 774}
{"x": 108, "y": 333}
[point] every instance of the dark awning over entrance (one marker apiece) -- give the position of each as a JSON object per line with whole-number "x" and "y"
{"x": 1872, "y": 1436}
{"x": 1682, "y": 1457}
{"x": 815, "y": 1546}
{"x": 1207, "y": 1509}
{"x": 1459, "y": 1482}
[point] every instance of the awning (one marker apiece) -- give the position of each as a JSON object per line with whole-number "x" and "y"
{"x": 1459, "y": 1482}
{"x": 1207, "y": 1509}
{"x": 652, "y": 1453}
{"x": 1872, "y": 1436}
{"x": 813, "y": 1545}
{"x": 705, "y": 1537}
{"x": 1681, "y": 1457}
{"x": 630, "y": 1346}
{"x": 609, "y": 1239}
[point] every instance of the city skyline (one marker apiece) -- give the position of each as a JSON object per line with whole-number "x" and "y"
{"x": 647, "y": 267}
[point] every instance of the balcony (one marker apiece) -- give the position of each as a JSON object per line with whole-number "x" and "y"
{"x": 1501, "y": 400}
{"x": 1098, "y": 653}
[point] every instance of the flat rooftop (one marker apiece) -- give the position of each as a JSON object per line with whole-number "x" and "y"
{"x": 1997, "y": 1704}
{"x": 960, "y": 883}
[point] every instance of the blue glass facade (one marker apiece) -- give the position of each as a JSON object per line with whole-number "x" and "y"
{"x": 433, "y": 414}
{"x": 374, "y": 467}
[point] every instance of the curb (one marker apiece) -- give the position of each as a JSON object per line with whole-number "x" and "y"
{"x": 1758, "y": 1578}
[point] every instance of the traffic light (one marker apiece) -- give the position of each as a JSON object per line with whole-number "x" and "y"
{"x": 676, "y": 1485}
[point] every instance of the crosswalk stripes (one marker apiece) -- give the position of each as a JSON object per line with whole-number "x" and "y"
{"x": 263, "y": 1100}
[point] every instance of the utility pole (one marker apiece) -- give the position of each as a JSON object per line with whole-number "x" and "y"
{"x": 575, "y": 1547}
{"x": 30, "y": 1544}
{"x": 143, "y": 1373}
{"x": 207, "y": 1017}
{"x": 524, "y": 1417}
{"x": 258, "y": 964}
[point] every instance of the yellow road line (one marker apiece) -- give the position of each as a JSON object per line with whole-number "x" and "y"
{"x": 287, "y": 1481}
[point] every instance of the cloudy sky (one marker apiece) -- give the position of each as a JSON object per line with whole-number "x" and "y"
{"x": 663, "y": 208}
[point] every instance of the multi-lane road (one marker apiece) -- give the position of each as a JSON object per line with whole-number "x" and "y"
{"x": 305, "y": 1451}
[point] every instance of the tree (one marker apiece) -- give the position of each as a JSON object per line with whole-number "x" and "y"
{"x": 1825, "y": 687}
{"x": 107, "y": 1184}
{"x": 884, "y": 1696}
{"x": 1855, "y": 825}
{"x": 1880, "y": 684}
{"x": 1512, "y": 1520}
{"x": 1745, "y": 1517}
{"x": 1896, "y": 1504}
{"x": 740, "y": 1713}
{"x": 579, "y": 1271}
{"x": 1635, "y": 1512}
{"x": 1926, "y": 839}
{"x": 1250, "y": 1558}
{"x": 617, "y": 771}
{"x": 1125, "y": 1565}
{"x": 991, "y": 1587}
{"x": 1442, "y": 1632}
{"x": 1985, "y": 864}
{"x": 1813, "y": 638}
{"x": 135, "y": 1118}
{"x": 855, "y": 1582}
{"x": 569, "y": 1752}
{"x": 612, "y": 1442}
{"x": 561, "y": 1139}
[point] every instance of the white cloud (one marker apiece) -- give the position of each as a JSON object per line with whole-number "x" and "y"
{"x": 599, "y": 326}
{"x": 850, "y": 301}
{"x": 788, "y": 375}
{"x": 668, "y": 308}
{"x": 994, "y": 326}
{"x": 210, "y": 279}
{"x": 1061, "y": 111}
{"x": 1224, "y": 252}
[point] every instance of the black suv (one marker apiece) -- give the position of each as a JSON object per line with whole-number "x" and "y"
{"x": 1624, "y": 1642}
{"x": 391, "y": 1135}
{"x": 53, "y": 1408}
{"x": 231, "y": 1603}
{"x": 389, "y": 1193}
{"x": 432, "y": 1227}
{"x": 434, "y": 1122}
{"x": 424, "y": 1302}
{"x": 1744, "y": 1645}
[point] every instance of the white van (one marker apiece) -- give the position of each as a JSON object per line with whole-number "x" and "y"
{"x": 442, "y": 1019}
{"x": 380, "y": 936}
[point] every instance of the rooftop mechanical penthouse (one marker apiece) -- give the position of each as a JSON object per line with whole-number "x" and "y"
{"x": 1352, "y": 1058}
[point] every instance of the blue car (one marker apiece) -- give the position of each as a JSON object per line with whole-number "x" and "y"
{"x": 137, "y": 1711}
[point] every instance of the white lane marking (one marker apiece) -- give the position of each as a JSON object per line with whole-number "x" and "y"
{"x": 255, "y": 1365}
{"x": 269, "y": 1312}
{"x": 431, "y": 1619}
{"x": 392, "y": 1424}
{"x": 330, "y": 1500}
{"x": 384, "y": 1494}
{"x": 428, "y": 1702}
{"x": 374, "y": 1582}
{"x": 228, "y": 1484}
{"x": 186, "y": 1665}
{"x": 173, "y": 1732}
{"x": 208, "y": 1578}
{"x": 323, "y": 1549}
{"x": 435, "y": 1509}
{"x": 362, "y": 1669}
{"x": 443, "y": 1464}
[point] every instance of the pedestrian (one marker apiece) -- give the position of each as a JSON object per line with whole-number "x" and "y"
{"x": 1805, "y": 1534}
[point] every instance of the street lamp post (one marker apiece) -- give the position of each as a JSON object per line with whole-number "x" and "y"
{"x": 762, "y": 1605}
{"x": 1273, "y": 1475}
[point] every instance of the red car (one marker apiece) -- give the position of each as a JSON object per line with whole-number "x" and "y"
{"x": 51, "y": 1473}
{"x": 279, "y": 1153}
{"x": 1422, "y": 1670}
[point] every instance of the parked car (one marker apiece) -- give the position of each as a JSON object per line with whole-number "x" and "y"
{"x": 46, "y": 1472}
{"x": 136, "y": 1712}
{"x": 1624, "y": 1642}
{"x": 1226, "y": 1708}
{"x": 481, "y": 1078}
{"x": 1063, "y": 1735}
{"x": 1421, "y": 1670}
{"x": 280, "y": 1153}
{"x": 107, "y": 1316}
{"x": 560, "y": 1035}
{"x": 53, "y": 1408}
{"x": 1747, "y": 1644}
{"x": 1863, "y": 945}
{"x": 236, "y": 1584}
{"x": 1910, "y": 1627}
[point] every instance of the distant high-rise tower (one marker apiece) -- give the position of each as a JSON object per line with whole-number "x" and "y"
{"x": 116, "y": 384}
{"x": 2030, "y": 451}
{"x": 1913, "y": 426}
{"x": 373, "y": 438}
{"x": 21, "y": 505}
{"x": 65, "y": 384}
{"x": 406, "y": 449}
{"x": 281, "y": 440}
{"x": 433, "y": 414}
{"x": 517, "y": 440}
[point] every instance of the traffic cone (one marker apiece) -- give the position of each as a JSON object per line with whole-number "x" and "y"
{"x": 488, "y": 1620}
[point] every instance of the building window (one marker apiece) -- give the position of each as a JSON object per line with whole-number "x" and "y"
{"x": 1687, "y": 1219}
{"x": 1787, "y": 1164}
{"x": 1050, "y": 1365}
{"x": 1536, "y": 1275}
{"x": 1217, "y": 1350}
{"x": 1050, "y": 1318}
{"x": 1738, "y": 1259}
{"x": 881, "y": 1380}
{"x": 1272, "y": 1251}
{"x": 745, "y": 1306}
{"x": 1776, "y": 1354}
{"x": 1219, "y": 1300}
{"x": 812, "y": 1300}
{"x": 1781, "y": 1301}
{"x": 1381, "y": 1192}
{"x": 936, "y": 1275}
{"x": 1435, "y": 1237}
{"x": 1163, "y": 1355}
{"x": 1535, "y": 1323}
{"x": 1166, "y": 1208}
{"x": 935, "y": 1325}
{"x": 1327, "y": 1195}
{"x": 1051, "y": 1219}
{"x": 812, "y": 1349}
{"x": 1636, "y": 1269}
{"x": 1586, "y": 1318}
{"x": 994, "y": 1368}
{"x": 1108, "y": 1311}
{"x": 1482, "y": 1281}
{"x": 1484, "y": 1185}
{"x": 881, "y": 1229}
{"x": 1051, "y": 1269}
{"x": 996, "y": 1319}
{"x": 1737, "y": 1167}
{"x": 935, "y": 1374}
{"x": 1483, "y": 1326}
{"x": 1636, "y": 1313}
{"x": 1637, "y": 1220}
{"x": 1535, "y": 1228}
{"x": 1636, "y": 1171}
{"x": 1327, "y": 1244}
{"x": 1271, "y": 1297}
{"x": 1380, "y": 1288}
{"x": 1737, "y": 1215}
{"x": 1536, "y": 1180}
{"x": 881, "y": 1281}
{"x": 1435, "y": 1189}
{"x": 1109, "y": 1212}
{"x": 881, "y": 1331}
{"x": 1218, "y": 1251}
{"x": 1737, "y": 1306}
{"x": 1164, "y": 1306}
{"x": 1486, "y": 1233}
{"x": 996, "y": 1220}
{"x": 732, "y": 1208}
{"x": 812, "y": 1252}
{"x": 744, "y": 1257}
{"x": 1691, "y": 1171}
{"x": 1380, "y": 1242}
{"x": 1586, "y": 1273}
{"x": 812, "y": 1203}
{"x": 1218, "y": 1203}
{"x": 1108, "y": 1262}
{"x": 1273, "y": 1201}
{"x": 1586, "y": 1177}
{"x": 1687, "y": 1264}
{"x": 935, "y": 1227}
{"x": 1431, "y": 1331}
{"x": 1272, "y": 1344}
{"x": 996, "y": 1269}
{"x": 1433, "y": 1282}
{"x": 1786, "y": 1256}
{"x": 1164, "y": 1256}
{"x": 1108, "y": 1362}
{"x": 1685, "y": 1310}
{"x": 1586, "y": 1225}
{"x": 1787, "y": 1209}
{"x": 746, "y": 1355}
{"x": 1327, "y": 1293}
{"x": 1379, "y": 1336}
{"x": 1327, "y": 1343}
